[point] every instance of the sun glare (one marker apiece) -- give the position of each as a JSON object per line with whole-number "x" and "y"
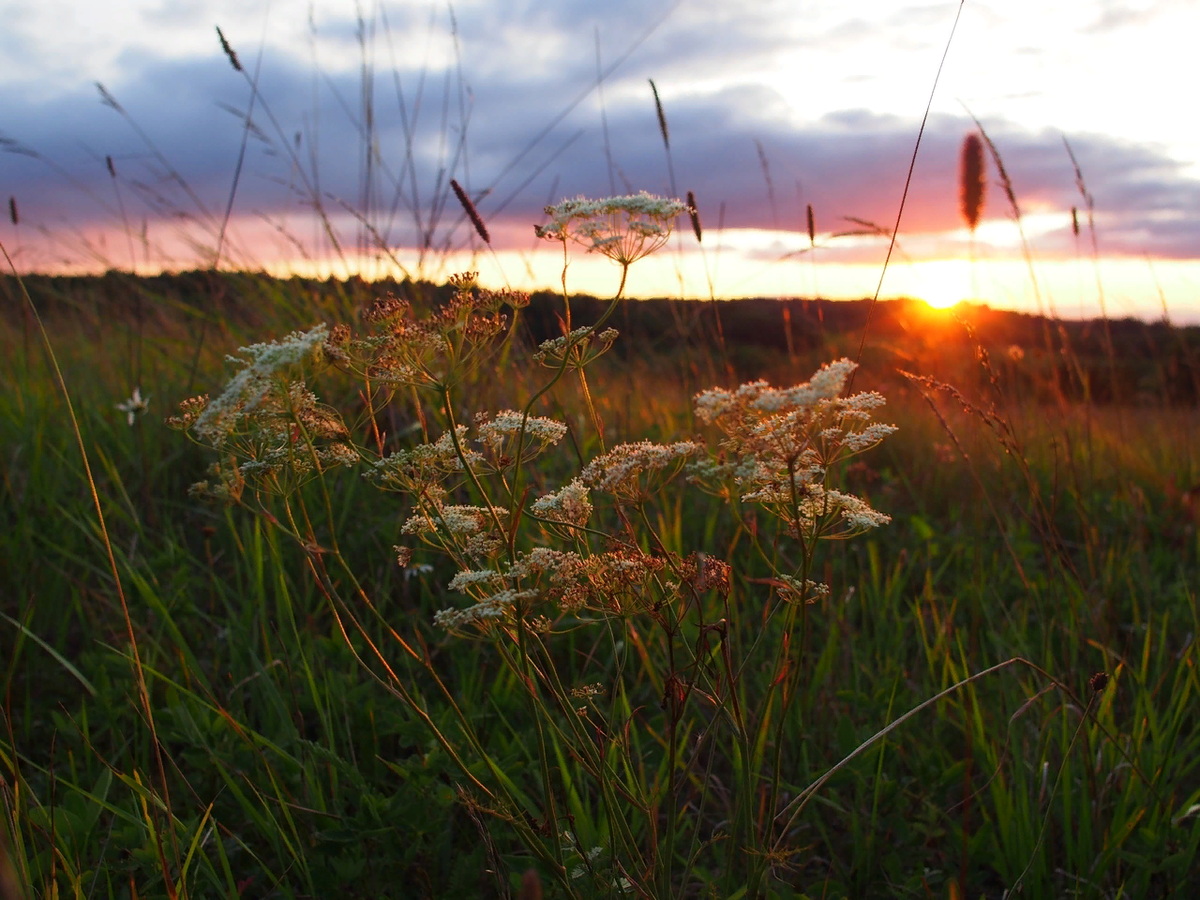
{"x": 943, "y": 283}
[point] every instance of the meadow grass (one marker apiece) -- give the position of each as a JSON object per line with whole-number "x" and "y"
{"x": 292, "y": 771}
{"x": 993, "y": 692}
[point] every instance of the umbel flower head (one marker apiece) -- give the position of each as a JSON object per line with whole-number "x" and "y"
{"x": 259, "y": 366}
{"x": 622, "y": 228}
{"x": 780, "y": 443}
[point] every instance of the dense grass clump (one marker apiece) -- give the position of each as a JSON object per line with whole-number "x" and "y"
{"x": 254, "y": 699}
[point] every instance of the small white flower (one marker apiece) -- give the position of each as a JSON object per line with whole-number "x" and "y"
{"x": 134, "y": 406}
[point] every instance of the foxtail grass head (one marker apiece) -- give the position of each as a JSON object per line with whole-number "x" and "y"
{"x": 972, "y": 185}
{"x": 662, "y": 116}
{"x": 472, "y": 213}
{"x": 694, "y": 214}
{"x": 229, "y": 51}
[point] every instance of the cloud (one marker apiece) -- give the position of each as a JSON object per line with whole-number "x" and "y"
{"x": 535, "y": 124}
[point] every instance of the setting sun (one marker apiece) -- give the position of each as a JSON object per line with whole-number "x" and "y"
{"x": 942, "y": 283}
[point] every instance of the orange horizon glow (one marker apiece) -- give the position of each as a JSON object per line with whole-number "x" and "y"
{"x": 737, "y": 267}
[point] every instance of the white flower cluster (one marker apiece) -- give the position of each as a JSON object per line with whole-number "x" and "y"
{"x": 780, "y": 443}
{"x": 501, "y": 434}
{"x": 569, "y": 505}
{"x": 581, "y": 346}
{"x": 260, "y": 364}
{"x": 488, "y": 610}
{"x": 620, "y": 470}
{"x": 450, "y": 520}
{"x": 617, "y": 583}
{"x": 759, "y": 396}
{"x": 622, "y": 228}
{"x": 423, "y": 469}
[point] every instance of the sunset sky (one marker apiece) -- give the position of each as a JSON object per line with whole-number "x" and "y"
{"x": 770, "y": 107}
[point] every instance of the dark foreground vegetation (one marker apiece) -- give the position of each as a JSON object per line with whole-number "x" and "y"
{"x": 1045, "y": 508}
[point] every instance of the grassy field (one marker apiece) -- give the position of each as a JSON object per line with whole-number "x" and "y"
{"x": 253, "y": 699}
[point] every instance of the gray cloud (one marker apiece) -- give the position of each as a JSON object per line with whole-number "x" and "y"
{"x": 522, "y": 137}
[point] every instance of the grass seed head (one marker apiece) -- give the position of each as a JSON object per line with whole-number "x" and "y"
{"x": 972, "y": 185}
{"x": 662, "y": 117}
{"x": 13, "y": 215}
{"x": 693, "y": 214}
{"x": 471, "y": 211}
{"x": 233, "y": 58}
{"x": 812, "y": 225}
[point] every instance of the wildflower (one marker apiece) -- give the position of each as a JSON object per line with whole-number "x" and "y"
{"x": 486, "y": 611}
{"x": 189, "y": 411}
{"x": 588, "y": 691}
{"x": 468, "y": 578}
{"x": 500, "y": 435}
{"x": 569, "y": 505}
{"x": 422, "y": 469}
{"x": 781, "y": 442}
{"x": 560, "y": 565}
{"x": 581, "y": 346}
{"x": 622, "y": 228}
{"x": 619, "y": 583}
{"x": 248, "y": 387}
{"x": 793, "y": 590}
{"x": 134, "y": 406}
{"x": 465, "y": 520}
{"x": 620, "y": 470}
